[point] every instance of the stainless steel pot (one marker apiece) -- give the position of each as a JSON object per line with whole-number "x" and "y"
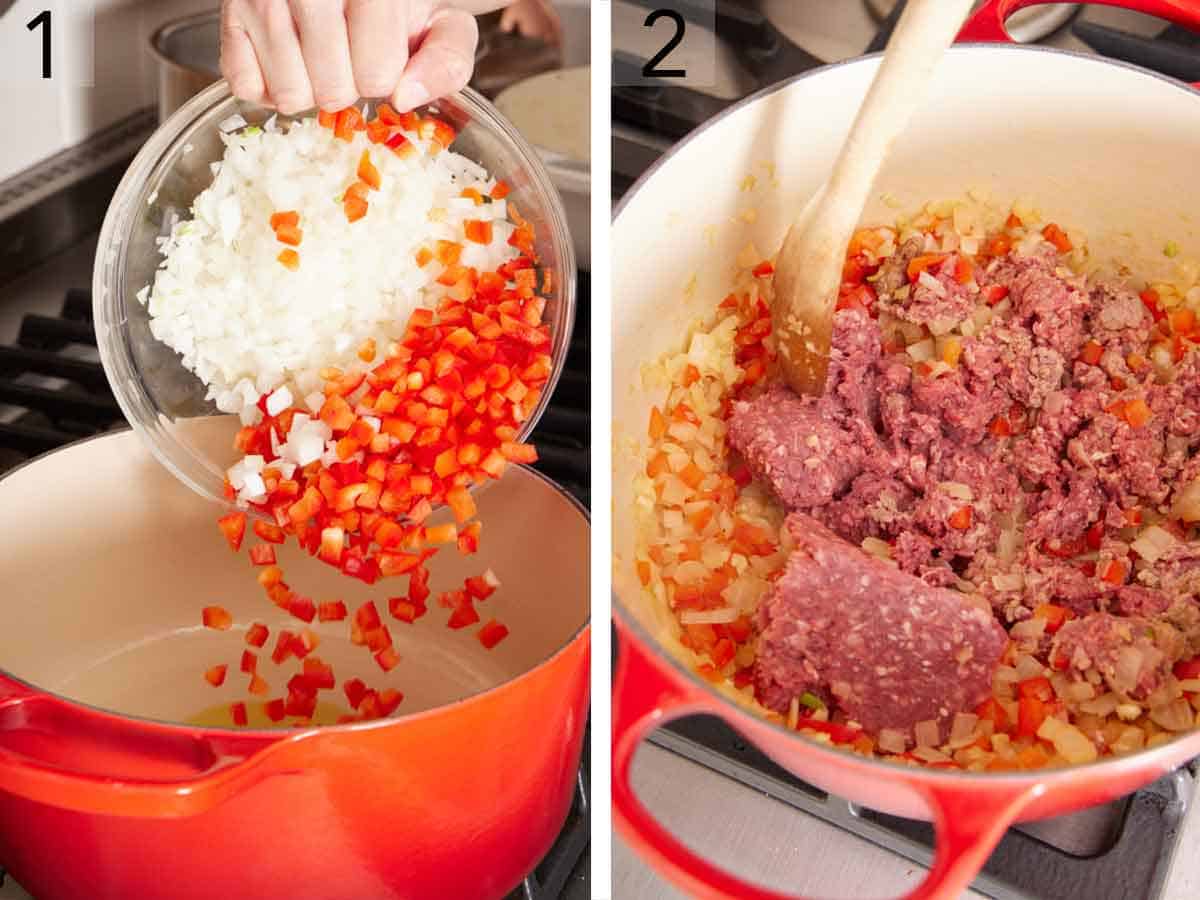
{"x": 188, "y": 52}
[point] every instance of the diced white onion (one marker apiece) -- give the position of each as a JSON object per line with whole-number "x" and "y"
{"x": 1174, "y": 716}
{"x": 928, "y": 281}
{"x": 927, "y": 733}
{"x": 1153, "y": 543}
{"x": 720, "y": 616}
{"x": 891, "y": 741}
{"x": 922, "y": 351}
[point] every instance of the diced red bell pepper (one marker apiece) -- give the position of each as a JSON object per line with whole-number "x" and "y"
{"x": 289, "y": 218}
{"x": 216, "y": 675}
{"x": 249, "y": 663}
{"x": 1115, "y": 572}
{"x": 387, "y": 658}
{"x": 378, "y": 638}
{"x": 258, "y": 685}
{"x": 289, "y": 234}
{"x": 331, "y": 611}
{"x": 367, "y": 616}
{"x": 1054, "y": 615}
{"x": 319, "y": 674}
{"x": 1150, "y": 300}
{"x": 482, "y": 586}
{"x": 1039, "y": 687}
{"x": 283, "y": 647}
{"x": 491, "y": 634}
{"x": 960, "y": 519}
{"x": 262, "y": 555}
{"x": 237, "y": 712}
{"x": 275, "y": 710}
{"x": 302, "y": 608}
{"x": 1031, "y": 712}
{"x": 355, "y": 690}
{"x": 405, "y": 610}
{"x": 346, "y": 122}
{"x": 991, "y": 710}
{"x": 217, "y": 617}
{"x": 1095, "y": 536}
{"x": 268, "y": 532}
{"x": 1091, "y": 353}
{"x": 1187, "y": 669}
{"x": 838, "y": 733}
{"x": 257, "y": 634}
{"x": 389, "y": 699}
{"x": 353, "y": 206}
{"x": 1057, "y": 237}
{"x": 1137, "y": 412}
{"x": 367, "y": 173}
{"x": 464, "y": 614}
{"x": 233, "y": 526}
{"x": 478, "y": 231}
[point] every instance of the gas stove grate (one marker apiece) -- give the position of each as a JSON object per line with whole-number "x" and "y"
{"x": 53, "y": 391}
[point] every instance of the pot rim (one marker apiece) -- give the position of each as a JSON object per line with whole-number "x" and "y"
{"x": 293, "y": 733}
{"x": 732, "y": 712}
{"x": 957, "y": 48}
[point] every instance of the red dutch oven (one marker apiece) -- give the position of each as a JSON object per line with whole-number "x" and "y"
{"x": 1096, "y": 145}
{"x": 108, "y": 560}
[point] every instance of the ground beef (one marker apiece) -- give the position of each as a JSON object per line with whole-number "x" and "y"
{"x": 852, "y": 377}
{"x": 939, "y": 461}
{"x": 1050, "y": 307}
{"x": 942, "y": 307}
{"x": 887, "y": 648}
{"x": 966, "y": 406}
{"x": 875, "y": 506}
{"x": 1064, "y": 511}
{"x": 1132, "y": 653}
{"x": 1057, "y": 581}
{"x": 804, "y": 454}
{"x": 1118, "y": 319}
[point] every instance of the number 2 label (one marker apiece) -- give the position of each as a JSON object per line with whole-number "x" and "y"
{"x": 651, "y": 70}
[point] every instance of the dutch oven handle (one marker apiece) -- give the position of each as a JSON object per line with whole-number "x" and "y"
{"x": 74, "y": 757}
{"x": 969, "y": 824}
{"x": 987, "y": 24}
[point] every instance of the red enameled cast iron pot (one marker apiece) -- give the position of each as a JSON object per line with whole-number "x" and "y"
{"x": 108, "y": 560}
{"x": 1100, "y": 146}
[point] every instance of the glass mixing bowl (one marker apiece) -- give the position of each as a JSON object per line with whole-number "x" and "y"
{"x": 162, "y": 400}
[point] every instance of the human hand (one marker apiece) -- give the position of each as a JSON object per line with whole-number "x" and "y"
{"x": 535, "y": 19}
{"x": 296, "y": 54}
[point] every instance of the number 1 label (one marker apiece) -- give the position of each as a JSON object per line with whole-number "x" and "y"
{"x": 42, "y": 21}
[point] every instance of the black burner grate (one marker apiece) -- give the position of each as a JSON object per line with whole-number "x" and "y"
{"x": 53, "y": 391}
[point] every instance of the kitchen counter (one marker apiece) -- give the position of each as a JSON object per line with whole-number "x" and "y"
{"x": 767, "y": 841}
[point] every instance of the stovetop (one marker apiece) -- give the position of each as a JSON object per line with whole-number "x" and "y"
{"x": 1121, "y": 850}
{"x": 53, "y": 391}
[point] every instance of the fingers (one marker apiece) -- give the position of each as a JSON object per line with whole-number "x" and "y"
{"x": 378, "y": 32}
{"x": 326, "y": 52}
{"x": 442, "y": 61}
{"x": 533, "y": 19}
{"x": 273, "y": 32}
{"x": 239, "y": 63}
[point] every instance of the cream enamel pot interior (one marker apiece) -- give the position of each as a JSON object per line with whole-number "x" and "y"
{"x": 1102, "y": 147}
{"x": 108, "y": 560}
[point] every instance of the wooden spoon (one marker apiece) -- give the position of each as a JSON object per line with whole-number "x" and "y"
{"x": 808, "y": 270}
